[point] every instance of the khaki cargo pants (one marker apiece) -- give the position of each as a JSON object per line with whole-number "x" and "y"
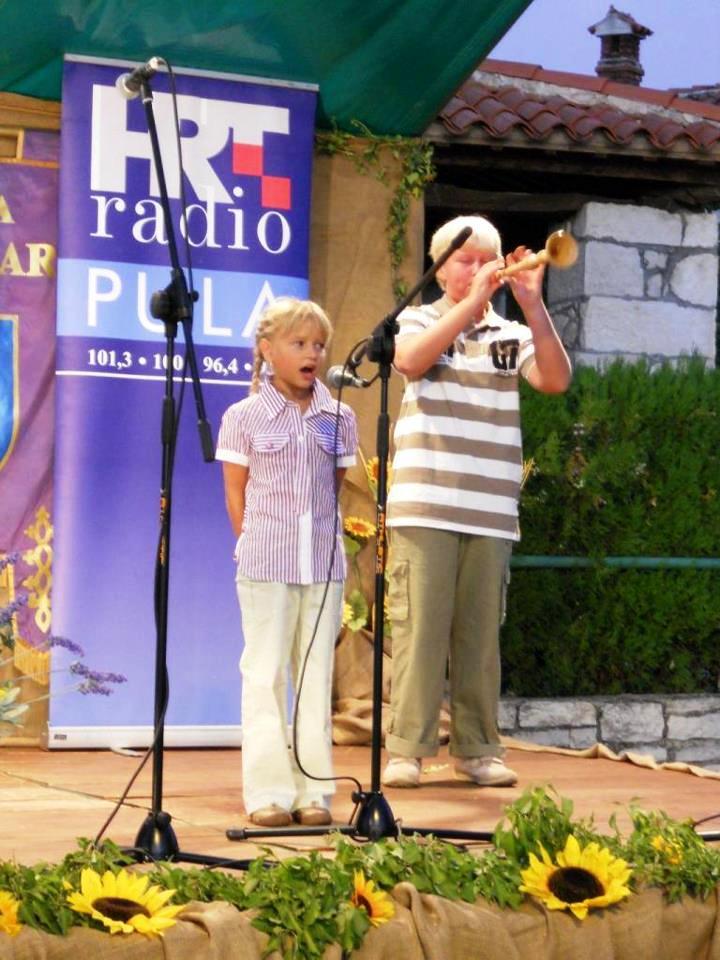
{"x": 446, "y": 601}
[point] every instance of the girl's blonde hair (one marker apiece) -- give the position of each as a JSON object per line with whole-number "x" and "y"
{"x": 484, "y": 235}
{"x": 282, "y": 316}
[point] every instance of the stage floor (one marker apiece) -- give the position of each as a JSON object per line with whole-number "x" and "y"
{"x": 48, "y": 799}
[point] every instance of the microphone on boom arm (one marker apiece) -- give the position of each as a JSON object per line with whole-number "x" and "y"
{"x": 343, "y": 376}
{"x": 129, "y": 85}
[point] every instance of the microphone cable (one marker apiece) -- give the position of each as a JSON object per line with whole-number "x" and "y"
{"x": 328, "y": 579}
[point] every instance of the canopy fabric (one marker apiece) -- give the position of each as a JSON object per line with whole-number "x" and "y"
{"x": 389, "y": 64}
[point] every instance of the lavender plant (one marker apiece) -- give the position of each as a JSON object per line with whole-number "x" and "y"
{"x": 14, "y": 703}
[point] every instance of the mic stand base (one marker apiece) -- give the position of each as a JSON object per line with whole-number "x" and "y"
{"x": 374, "y": 821}
{"x": 156, "y": 841}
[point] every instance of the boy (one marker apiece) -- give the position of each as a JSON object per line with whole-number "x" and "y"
{"x": 453, "y": 501}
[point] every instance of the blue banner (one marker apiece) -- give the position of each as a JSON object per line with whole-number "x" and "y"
{"x": 247, "y": 161}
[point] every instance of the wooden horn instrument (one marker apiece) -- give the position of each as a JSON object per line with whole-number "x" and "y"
{"x": 560, "y": 251}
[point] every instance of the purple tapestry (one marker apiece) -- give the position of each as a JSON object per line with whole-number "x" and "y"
{"x": 28, "y": 241}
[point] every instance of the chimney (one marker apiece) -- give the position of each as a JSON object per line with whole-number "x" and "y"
{"x": 620, "y": 37}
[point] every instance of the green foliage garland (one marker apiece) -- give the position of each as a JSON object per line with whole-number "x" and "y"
{"x": 303, "y": 903}
{"x": 368, "y": 153}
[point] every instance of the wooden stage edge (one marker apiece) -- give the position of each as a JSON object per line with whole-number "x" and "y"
{"x": 49, "y": 799}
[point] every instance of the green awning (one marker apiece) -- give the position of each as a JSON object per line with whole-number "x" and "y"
{"x": 390, "y": 64}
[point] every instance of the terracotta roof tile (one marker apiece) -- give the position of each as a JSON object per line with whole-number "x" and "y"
{"x": 498, "y": 106}
{"x": 582, "y": 81}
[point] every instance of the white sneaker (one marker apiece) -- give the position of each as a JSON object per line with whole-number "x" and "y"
{"x": 402, "y": 772}
{"x": 485, "y": 771}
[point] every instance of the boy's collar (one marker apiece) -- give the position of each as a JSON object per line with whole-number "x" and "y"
{"x": 490, "y": 320}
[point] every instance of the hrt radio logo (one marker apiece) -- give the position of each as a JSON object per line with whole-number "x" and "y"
{"x": 231, "y": 152}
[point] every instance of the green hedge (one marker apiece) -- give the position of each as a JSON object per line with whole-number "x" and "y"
{"x": 627, "y": 463}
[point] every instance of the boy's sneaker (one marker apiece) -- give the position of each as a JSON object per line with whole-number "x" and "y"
{"x": 485, "y": 771}
{"x": 402, "y": 772}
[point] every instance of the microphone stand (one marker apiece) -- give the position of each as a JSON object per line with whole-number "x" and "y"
{"x": 156, "y": 839}
{"x": 374, "y": 818}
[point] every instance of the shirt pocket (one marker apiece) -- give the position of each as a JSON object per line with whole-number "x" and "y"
{"x": 269, "y": 443}
{"x": 323, "y": 430}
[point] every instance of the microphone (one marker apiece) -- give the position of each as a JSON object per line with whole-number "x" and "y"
{"x": 129, "y": 85}
{"x": 339, "y": 377}
{"x": 458, "y": 241}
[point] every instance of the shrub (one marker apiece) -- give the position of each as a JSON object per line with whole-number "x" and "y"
{"x": 627, "y": 464}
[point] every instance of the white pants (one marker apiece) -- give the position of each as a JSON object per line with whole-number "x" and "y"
{"x": 278, "y": 623}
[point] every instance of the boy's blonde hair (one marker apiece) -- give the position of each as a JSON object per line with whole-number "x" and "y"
{"x": 484, "y": 235}
{"x": 282, "y": 316}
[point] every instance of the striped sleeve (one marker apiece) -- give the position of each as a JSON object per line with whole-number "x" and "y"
{"x": 349, "y": 437}
{"x": 415, "y": 320}
{"x": 233, "y": 443}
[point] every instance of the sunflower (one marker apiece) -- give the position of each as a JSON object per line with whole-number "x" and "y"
{"x": 124, "y": 902}
{"x": 358, "y": 529}
{"x": 580, "y": 879}
{"x": 376, "y": 904}
{"x": 8, "y": 914}
{"x": 669, "y": 849}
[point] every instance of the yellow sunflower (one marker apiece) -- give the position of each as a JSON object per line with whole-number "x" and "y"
{"x": 359, "y": 529}
{"x": 670, "y": 849}
{"x": 376, "y": 904}
{"x": 372, "y": 472}
{"x": 580, "y": 879}
{"x": 124, "y": 902}
{"x": 8, "y": 914}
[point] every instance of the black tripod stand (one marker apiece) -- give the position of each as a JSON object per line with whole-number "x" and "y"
{"x": 374, "y": 818}
{"x": 156, "y": 838}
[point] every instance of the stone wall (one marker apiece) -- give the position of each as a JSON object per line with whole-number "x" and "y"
{"x": 684, "y": 728}
{"x": 645, "y": 285}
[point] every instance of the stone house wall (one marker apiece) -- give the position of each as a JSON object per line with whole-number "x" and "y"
{"x": 645, "y": 285}
{"x": 684, "y": 728}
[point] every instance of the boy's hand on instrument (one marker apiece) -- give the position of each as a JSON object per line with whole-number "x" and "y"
{"x": 485, "y": 283}
{"x": 526, "y": 285}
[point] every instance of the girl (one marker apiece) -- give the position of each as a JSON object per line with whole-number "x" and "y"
{"x": 281, "y": 472}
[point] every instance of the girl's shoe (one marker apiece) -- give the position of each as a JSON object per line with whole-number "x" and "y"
{"x": 312, "y": 816}
{"x": 271, "y": 816}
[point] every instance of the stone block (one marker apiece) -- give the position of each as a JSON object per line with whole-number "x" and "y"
{"x": 611, "y": 325}
{"x": 683, "y": 705}
{"x": 701, "y": 230}
{"x": 612, "y": 270}
{"x": 507, "y": 715}
{"x": 556, "y": 713}
{"x": 631, "y": 722}
{"x": 700, "y": 751}
{"x": 695, "y": 280}
{"x": 704, "y": 726}
{"x": 626, "y": 223}
{"x": 583, "y": 737}
{"x": 559, "y": 737}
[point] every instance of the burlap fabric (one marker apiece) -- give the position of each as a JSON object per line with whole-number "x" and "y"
{"x": 425, "y": 927}
{"x": 352, "y": 690}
